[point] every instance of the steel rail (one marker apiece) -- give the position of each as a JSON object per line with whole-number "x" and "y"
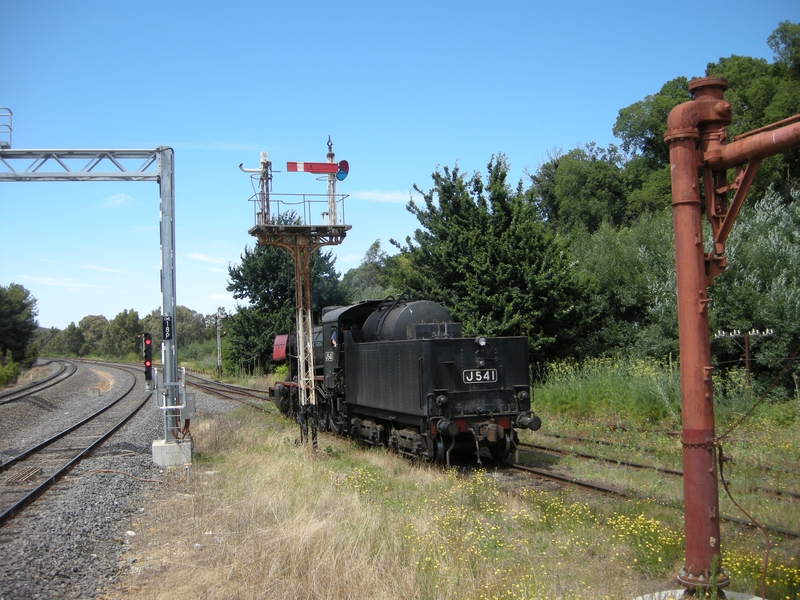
{"x": 25, "y": 387}
{"x": 665, "y": 470}
{"x": 42, "y": 445}
{"x": 626, "y": 446}
{"x": 237, "y": 389}
{"x": 616, "y": 492}
{"x": 604, "y": 459}
{"x": 35, "y": 493}
{"x": 48, "y": 382}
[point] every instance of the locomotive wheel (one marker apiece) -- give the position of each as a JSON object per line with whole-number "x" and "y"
{"x": 501, "y": 450}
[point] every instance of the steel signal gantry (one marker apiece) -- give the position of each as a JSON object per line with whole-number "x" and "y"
{"x": 300, "y": 239}
{"x": 112, "y": 165}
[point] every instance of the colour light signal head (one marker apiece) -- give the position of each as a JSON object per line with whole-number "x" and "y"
{"x": 148, "y": 356}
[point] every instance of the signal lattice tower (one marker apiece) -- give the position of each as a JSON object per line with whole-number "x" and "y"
{"x": 300, "y": 240}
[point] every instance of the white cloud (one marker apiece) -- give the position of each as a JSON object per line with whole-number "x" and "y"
{"x": 116, "y": 200}
{"x": 349, "y": 258}
{"x": 379, "y": 196}
{"x": 206, "y": 258}
{"x": 59, "y": 282}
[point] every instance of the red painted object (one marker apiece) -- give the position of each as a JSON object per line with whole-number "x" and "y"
{"x": 696, "y": 137}
{"x": 312, "y": 167}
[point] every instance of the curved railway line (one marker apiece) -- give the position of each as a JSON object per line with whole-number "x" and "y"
{"x": 36, "y": 469}
{"x": 66, "y": 370}
{"x": 228, "y": 391}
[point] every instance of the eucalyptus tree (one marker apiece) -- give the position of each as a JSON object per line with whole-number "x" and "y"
{"x": 121, "y": 334}
{"x": 17, "y": 323}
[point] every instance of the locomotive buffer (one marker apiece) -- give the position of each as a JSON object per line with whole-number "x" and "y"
{"x": 300, "y": 238}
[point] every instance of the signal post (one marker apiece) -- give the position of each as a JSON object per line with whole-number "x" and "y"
{"x": 300, "y": 240}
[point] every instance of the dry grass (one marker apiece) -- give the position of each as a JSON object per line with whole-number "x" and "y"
{"x": 264, "y": 518}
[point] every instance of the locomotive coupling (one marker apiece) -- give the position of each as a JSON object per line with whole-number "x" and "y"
{"x": 529, "y": 421}
{"x": 445, "y": 426}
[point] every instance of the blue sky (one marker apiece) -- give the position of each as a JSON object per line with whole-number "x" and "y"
{"x": 401, "y": 87}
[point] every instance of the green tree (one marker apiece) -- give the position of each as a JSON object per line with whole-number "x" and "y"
{"x": 70, "y": 340}
{"x": 367, "y": 281}
{"x": 589, "y": 188}
{"x": 482, "y": 252}
{"x": 120, "y": 335}
{"x": 760, "y": 94}
{"x": 190, "y": 326}
{"x": 641, "y": 126}
{"x": 760, "y": 288}
{"x": 44, "y": 341}
{"x": 17, "y": 323}
{"x": 629, "y": 276}
{"x": 785, "y": 43}
{"x": 250, "y": 333}
{"x": 92, "y": 327}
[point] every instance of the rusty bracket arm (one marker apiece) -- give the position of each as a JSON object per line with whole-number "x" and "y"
{"x": 722, "y": 220}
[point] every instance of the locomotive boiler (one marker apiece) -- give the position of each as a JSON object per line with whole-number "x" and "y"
{"x": 398, "y": 373}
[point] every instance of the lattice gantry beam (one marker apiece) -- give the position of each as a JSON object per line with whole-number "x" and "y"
{"x": 79, "y": 165}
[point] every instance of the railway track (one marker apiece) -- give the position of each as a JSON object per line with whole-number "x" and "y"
{"x": 32, "y": 472}
{"x": 228, "y": 391}
{"x": 66, "y": 370}
{"x": 771, "y": 491}
{"x": 593, "y": 486}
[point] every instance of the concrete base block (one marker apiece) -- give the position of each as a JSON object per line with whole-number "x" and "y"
{"x": 678, "y": 595}
{"x": 172, "y": 454}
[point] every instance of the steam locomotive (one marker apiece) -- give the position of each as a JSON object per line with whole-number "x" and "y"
{"x": 397, "y": 373}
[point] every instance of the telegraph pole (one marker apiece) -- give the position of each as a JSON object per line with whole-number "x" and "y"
{"x": 746, "y": 336}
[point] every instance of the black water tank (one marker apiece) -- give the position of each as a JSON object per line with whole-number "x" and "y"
{"x": 391, "y": 322}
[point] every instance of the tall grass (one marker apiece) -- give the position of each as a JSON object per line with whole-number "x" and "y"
{"x": 264, "y": 518}
{"x": 623, "y": 390}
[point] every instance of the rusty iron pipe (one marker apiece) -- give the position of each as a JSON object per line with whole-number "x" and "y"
{"x": 757, "y": 147}
{"x": 702, "y": 119}
{"x": 696, "y": 137}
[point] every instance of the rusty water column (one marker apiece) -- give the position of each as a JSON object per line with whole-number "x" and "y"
{"x": 704, "y": 117}
{"x": 697, "y": 140}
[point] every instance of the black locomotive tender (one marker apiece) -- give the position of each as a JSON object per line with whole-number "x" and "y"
{"x": 398, "y": 373}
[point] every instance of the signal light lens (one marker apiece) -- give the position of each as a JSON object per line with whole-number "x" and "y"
{"x": 148, "y": 357}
